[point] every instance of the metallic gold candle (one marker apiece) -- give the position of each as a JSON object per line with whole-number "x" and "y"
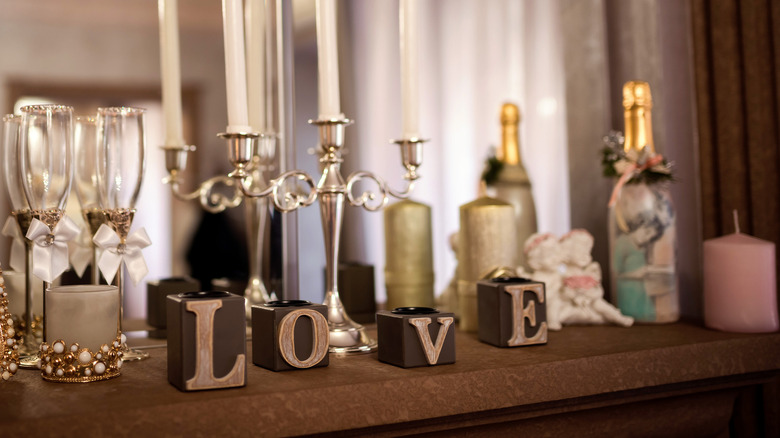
{"x": 487, "y": 240}
{"x": 513, "y": 185}
{"x": 408, "y": 255}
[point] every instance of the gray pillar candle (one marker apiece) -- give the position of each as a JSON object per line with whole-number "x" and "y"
{"x": 85, "y": 314}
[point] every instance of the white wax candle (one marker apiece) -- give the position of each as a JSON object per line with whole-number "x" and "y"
{"x": 85, "y": 314}
{"x": 740, "y": 288}
{"x": 327, "y": 60}
{"x": 235, "y": 66}
{"x": 171, "y": 71}
{"x": 255, "y": 68}
{"x": 410, "y": 94}
{"x": 14, "y": 286}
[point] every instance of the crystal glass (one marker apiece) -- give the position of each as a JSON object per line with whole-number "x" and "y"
{"x": 13, "y": 179}
{"x": 121, "y": 147}
{"x": 45, "y": 159}
{"x": 85, "y": 180}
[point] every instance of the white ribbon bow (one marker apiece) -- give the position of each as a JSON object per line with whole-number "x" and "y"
{"x": 12, "y": 230}
{"x": 114, "y": 253}
{"x": 80, "y": 251}
{"x": 50, "y": 249}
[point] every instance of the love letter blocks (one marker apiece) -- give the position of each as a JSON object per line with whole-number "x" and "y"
{"x": 416, "y": 336}
{"x": 156, "y": 293}
{"x": 289, "y": 335}
{"x": 512, "y": 312}
{"x": 206, "y": 340}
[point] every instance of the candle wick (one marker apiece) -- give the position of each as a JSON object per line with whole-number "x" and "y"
{"x": 736, "y": 220}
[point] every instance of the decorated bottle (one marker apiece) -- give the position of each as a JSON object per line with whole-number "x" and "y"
{"x": 510, "y": 182}
{"x": 642, "y": 231}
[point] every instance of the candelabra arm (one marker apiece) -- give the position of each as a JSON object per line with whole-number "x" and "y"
{"x": 211, "y": 201}
{"x": 284, "y": 201}
{"x": 383, "y": 193}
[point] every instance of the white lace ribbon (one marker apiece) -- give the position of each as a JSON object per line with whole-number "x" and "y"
{"x": 50, "y": 249}
{"x": 12, "y": 230}
{"x": 114, "y": 253}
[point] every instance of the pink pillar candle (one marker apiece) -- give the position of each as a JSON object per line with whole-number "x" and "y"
{"x": 740, "y": 288}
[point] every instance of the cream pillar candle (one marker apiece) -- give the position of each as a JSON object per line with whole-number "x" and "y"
{"x": 410, "y": 95}
{"x": 740, "y": 286}
{"x": 171, "y": 71}
{"x": 86, "y": 314}
{"x": 327, "y": 60}
{"x": 254, "y": 17}
{"x": 235, "y": 66}
{"x": 486, "y": 243}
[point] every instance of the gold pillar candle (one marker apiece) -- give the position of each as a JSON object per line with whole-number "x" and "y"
{"x": 513, "y": 185}
{"x": 408, "y": 255}
{"x": 83, "y": 314}
{"x": 487, "y": 240}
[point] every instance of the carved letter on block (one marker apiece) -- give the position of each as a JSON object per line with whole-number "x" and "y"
{"x": 319, "y": 338}
{"x": 520, "y": 314}
{"x": 406, "y": 337}
{"x": 284, "y": 332}
{"x": 512, "y": 312}
{"x": 431, "y": 350}
{"x": 206, "y": 340}
{"x": 204, "y": 374}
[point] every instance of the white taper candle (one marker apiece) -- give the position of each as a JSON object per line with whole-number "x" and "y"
{"x": 235, "y": 66}
{"x": 171, "y": 71}
{"x": 327, "y": 60}
{"x": 410, "y": 93}
{"x": 254, "y": 17}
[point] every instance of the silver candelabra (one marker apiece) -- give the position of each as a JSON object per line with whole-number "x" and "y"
{"x": 246, "y": 155}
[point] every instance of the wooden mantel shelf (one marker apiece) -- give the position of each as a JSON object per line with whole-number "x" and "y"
{"x": 674, "y": 376}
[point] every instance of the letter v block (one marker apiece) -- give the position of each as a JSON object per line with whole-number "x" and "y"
{"x": 512, "y": 312}
{"x": 416, "y": 336}
{"x": 206, "y": 340}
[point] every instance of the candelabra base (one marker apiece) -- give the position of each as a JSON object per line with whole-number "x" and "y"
{"x": 351, "y": 340}
{"x": 130, "y": 354}
{"x": 30, "y": 362}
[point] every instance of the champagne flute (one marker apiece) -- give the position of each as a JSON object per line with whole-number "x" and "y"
{"x": 120, "y": 170}
{"x": 20, "y": 209}
{"x": 45, "y": 153}
{"x": 85, "y": 181}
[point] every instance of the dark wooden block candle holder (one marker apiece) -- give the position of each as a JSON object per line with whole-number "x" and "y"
{"x": 512, "y": 312}
{"x": 416, "y": 336}
{"x": 206, "y": 340}
{"x": 156, "y": 304}
{"x": 289, "y": 335}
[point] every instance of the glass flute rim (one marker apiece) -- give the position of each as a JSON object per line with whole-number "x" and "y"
{"x": 45, "y": 108}
{"x": 120, "y": 110}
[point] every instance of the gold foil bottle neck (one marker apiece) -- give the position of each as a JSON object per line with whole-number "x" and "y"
{"x": 638, "y": 103}
{"x": 509, "y": 153}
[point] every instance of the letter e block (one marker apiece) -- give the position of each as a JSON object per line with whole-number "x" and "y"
{"x": 512, "y": 312}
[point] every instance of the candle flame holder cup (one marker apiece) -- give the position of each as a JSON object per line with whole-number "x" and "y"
{"x": 333, "y": 190}
{"x": 83, "y": 323}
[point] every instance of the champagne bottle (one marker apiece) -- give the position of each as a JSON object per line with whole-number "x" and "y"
{"x": 642, "y": 231}
{"x": 513, "y": 185}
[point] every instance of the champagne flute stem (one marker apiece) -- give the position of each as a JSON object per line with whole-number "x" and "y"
{"x": 29, "y": 335}
{"x": 46, "y": 286}
{"x": 119, "y": 282}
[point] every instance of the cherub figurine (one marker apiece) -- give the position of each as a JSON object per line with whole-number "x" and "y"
{"x": 582, "y": 297}
{"x": 543, "y": 255}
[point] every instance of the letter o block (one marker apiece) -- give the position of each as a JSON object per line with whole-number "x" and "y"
{"x": 290, "y": 335}
{"x": 512, "y": 312}
{"x": 206, "y": 340}
{"x": 416, "y": 336}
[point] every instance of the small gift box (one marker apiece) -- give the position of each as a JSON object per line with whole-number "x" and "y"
{"x": 84, "y": 343}
{"x": 290, "y": 334}
{"x": 206, "y": 340}
{"x": 416, "y": 336}
{"x": 156, "y": 294}
{"x": 512, "y": 312}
